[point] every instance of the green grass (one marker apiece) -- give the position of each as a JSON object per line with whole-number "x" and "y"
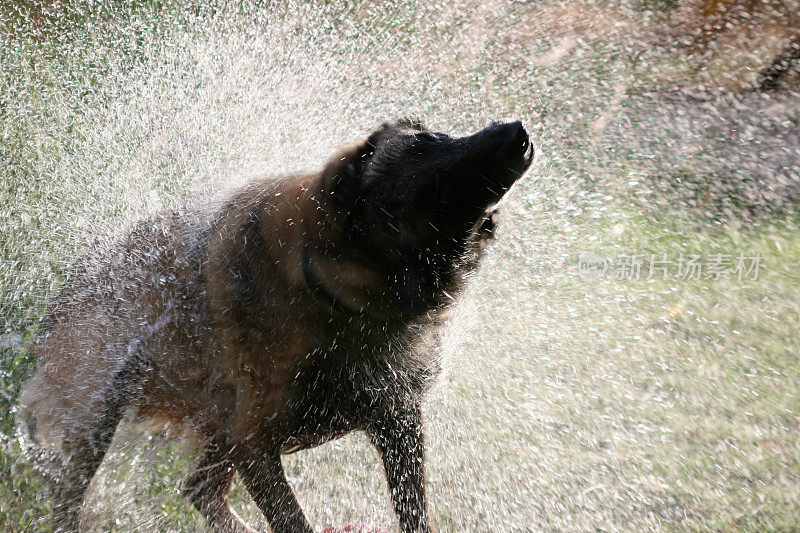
{"x": 567, "y": 405}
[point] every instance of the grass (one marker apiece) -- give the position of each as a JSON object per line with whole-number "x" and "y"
{"x": 642, "y": 404}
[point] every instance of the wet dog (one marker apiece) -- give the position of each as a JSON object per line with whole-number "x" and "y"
{"x": 298, "y": 310}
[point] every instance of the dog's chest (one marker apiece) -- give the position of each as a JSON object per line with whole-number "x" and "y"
{"x": 345, "y": 390}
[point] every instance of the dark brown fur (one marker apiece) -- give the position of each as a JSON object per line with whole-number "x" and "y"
{"x": 301, "y": 309}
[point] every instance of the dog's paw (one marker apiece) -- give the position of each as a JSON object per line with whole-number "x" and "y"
{"x": 355, "y": 528}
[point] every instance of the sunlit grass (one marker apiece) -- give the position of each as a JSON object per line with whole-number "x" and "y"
{"x": 618, "y": 404}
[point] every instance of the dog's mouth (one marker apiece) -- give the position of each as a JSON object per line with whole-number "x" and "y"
{"x": 485, "y": 227}
{"x": 527, "y": 156}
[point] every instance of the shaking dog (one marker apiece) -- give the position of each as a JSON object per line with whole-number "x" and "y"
{"x": 294, "y": 312}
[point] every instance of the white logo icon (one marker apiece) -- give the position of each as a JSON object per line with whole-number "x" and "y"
{"x": 592, "y": 266}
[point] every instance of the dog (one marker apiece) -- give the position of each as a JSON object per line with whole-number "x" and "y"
{"x": 296, "y": 311}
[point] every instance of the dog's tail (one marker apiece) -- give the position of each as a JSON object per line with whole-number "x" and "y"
{"x": 35, "y": 441}
{"x": 47, "y": 461}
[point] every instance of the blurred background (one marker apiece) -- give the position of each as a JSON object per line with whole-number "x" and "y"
{"x": 627, "y": 356}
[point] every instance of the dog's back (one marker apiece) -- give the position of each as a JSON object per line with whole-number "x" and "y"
{"x": 140, "y": 322}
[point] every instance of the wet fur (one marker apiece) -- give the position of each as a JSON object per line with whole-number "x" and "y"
{"x": 273, "y": 323}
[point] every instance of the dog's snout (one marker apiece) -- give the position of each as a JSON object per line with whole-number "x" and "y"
{"x": 518, "y": 141}
{"x": 509, "y": 138}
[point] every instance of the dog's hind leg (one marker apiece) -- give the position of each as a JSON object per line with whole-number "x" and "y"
{"x": 87, "y": 441}
{"x": 84, "y": 449}
{"x": 208, "y": 487}
{"x": 71, "y": 487}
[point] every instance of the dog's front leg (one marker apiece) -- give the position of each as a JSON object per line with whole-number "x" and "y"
{"x": 398, "y": 437}
{"x": 266, "y": 482}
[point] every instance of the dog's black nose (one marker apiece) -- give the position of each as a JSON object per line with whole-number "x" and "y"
{"x": 499, "y": 153}
{"x": 509, "y": 138}
{"x": 517, "y": 138}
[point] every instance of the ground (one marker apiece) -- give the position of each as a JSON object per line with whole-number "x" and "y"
{"x": 630, "y": 402}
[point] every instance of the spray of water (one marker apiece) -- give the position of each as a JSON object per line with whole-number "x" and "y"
{"x": 595, "y": 378}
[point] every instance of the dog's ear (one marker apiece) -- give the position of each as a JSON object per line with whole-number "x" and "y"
{"x": 412, "y": 123}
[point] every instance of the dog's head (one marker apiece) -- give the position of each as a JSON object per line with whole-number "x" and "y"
{"x": 410, "y": 201}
